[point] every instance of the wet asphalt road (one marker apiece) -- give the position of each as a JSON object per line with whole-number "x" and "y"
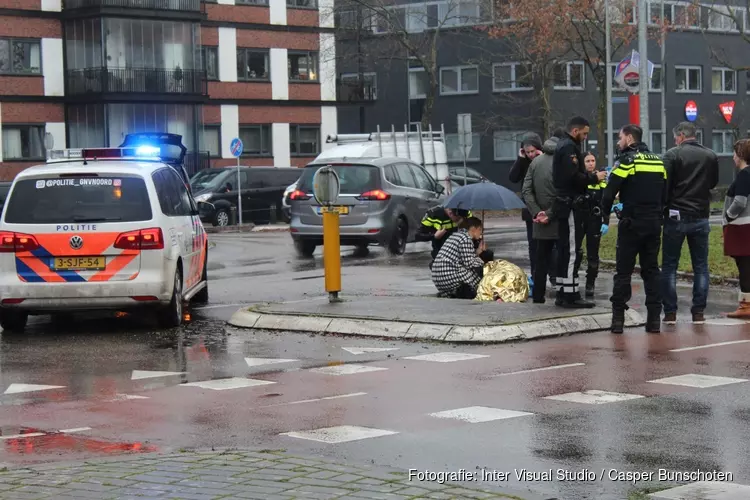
{"x": 99, "y": 364}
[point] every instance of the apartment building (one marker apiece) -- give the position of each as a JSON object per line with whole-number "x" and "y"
{"x": 480, "y": 76}
{"x": 84, "y": 73}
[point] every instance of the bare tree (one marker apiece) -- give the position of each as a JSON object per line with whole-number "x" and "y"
{"x": 410, "y": 33}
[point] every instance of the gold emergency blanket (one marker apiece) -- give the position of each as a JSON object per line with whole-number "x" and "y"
{"x": 504, "y": 281}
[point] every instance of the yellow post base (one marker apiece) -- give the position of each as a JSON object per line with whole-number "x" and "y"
{"x": 332, "y": 253}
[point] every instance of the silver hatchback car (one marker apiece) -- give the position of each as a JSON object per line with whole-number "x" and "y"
{"x": 383, "y": 200}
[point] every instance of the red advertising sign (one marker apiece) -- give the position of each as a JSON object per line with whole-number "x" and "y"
{"x": 727, "y": 108}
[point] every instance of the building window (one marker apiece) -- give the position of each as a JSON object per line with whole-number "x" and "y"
{"x": 256, "y": 140}
{"x": 419, "y": 83}
{"x": 657, "y": 142}
{"x": 459, "y": 80}
{"x": 20, "y": 57}
{"x": 250, "y": 2}
{"x": 304, "y": 140}
{"x": 723, "y": 81}
{"x": 511, "y": 76}
{"x": 506, "y": 144}
{"x": 302, "y": 4}
{"x": 211, "y": 140}
{"x": 722, "y": 18}
{"x": 210, "y": 58}
{"x": 722, "y": 142}
{"x": 370, "y": 87}
{"x": 569, "y": 76}
{"x": 655, "y": 83}
{"x": 303, "y": 66}
{"x": 455, "y": 151}
{"x": 252, "y": 65}
{"x": 23, "y": 142}
{"x": 688, "y": 79}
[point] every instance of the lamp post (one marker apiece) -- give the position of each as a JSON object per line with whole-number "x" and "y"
{"x": 608, "y": 72}
{"x": 643, "y": 80}
{"x": 663, "y": 83}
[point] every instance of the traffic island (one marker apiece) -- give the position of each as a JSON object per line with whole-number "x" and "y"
{"x": 429, "y": 318}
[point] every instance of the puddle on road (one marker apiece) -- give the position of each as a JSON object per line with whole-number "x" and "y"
{"x": 57, "y": 442}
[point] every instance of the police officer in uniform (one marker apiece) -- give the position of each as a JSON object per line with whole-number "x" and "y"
{"x": 640, "y": 178}
{"x": 438, "y": 224}
{"x": 571, "y": 180}
{"x": 592, "y": 225}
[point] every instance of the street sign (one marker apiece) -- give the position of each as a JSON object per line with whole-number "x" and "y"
{"x": 691, "y": 111}
{"x": 727, "y": 108}
{"x": 465, "y": 140}
{"x": 619, "y": 100}
{"x": 326, "y": 186}
{"x": 236, "y": 147}
{"x": 628, "y": 72}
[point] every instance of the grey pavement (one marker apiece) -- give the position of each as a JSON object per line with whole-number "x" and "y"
{"x": 262, "y": 475}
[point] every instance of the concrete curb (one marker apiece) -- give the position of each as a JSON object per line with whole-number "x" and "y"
{"x": 271, "y": 229}
{"x": 245, "y": 318}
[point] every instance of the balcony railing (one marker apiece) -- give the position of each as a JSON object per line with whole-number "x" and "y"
{"x": 355, "y": 91}
{"x": 195, "y": 161}
{"x": 176, "y": 5}
{"x": 136, "y": 81}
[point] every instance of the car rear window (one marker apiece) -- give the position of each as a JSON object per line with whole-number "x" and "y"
{"x": 78, "y": 199}
{"x": 355, "y": 179}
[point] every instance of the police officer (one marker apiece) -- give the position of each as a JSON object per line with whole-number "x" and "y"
{"x": 592, "y": 225}
{"x": 571, "y": 179}
{"x": 640, "y": 178}
{"x": 439, "y": 223}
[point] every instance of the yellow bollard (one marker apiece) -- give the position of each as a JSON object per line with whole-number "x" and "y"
{"x": 332, "y": 253}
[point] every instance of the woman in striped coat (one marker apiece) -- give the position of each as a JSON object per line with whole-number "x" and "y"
{"x": 457, "y": 269}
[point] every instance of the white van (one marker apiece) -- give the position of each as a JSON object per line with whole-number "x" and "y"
{"x": 427, "y": 148}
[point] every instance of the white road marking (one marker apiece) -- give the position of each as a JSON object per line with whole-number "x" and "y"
{"x": 339, "y": 434}
{"x": 19, "y": 388}
{"x": 125, "y": 397}
{"x": 553, "y": 367}
{"x": 347, "y": 369}
{"x": 341, "y": 396}
{"x": 141, "y": 374}
{"x": 77, "y": 429}
{"x": 29, "y": 435}
{"x": 719, "y": 344}
{"x": 362, "y": 350}
{"x": 697, "y": 380}
{"x": 447, "y": 357}
{"x": 228, "y": 383}
{"x": 704, "y": 489}
{"x": 266, "y": 361}
{"x": 477, "y": 414}
{"x": 594, "y": 397}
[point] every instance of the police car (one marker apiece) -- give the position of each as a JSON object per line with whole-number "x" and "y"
{"x": 107, "y": 228}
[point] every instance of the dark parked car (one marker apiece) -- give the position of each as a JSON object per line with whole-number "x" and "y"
{"x": 215, "y": 190}
{"x": 4, "y": 189}
{"x": 458, "y": 173}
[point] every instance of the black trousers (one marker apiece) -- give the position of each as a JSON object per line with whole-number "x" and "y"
{"x": 569, "y": 255}
{"x": 743, "y": 266}
{"x": 532, "y": 246}
{"x": 592, "y": 229}
{"x": 640, "y": 239}
{"x": 545, "y": 260}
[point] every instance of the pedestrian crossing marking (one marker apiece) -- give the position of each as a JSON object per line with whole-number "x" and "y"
{"x": 228, "y": 383}
{"x": 594, "y": 397}
{"x": 362, "y": 350}
{"x": 142, "y": 374}
{"x": 251, "y": 362}
{"x": 21, "y": 388}
{"x": 478, "y": 414}
{"x": 447, "y": 357}
{"x": 349, "y": 369}
{"x": 339, "y": 434}
{"x": 697, "y": 380}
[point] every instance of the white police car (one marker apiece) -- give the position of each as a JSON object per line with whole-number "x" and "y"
{"x": 108, "y": 228}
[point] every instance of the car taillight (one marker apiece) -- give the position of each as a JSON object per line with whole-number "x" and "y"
{"x": 374, "y": 195}
{"x": 17, "y": 242}
{"x": 298, "y": 195}
{"x": 144, "y": 239}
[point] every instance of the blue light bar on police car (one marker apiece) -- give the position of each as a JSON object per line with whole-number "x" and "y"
{"x": 130, "y": 153}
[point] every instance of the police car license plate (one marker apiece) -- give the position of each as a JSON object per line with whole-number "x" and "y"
{"x": 336, "y": 210}
{"x": 79, "y": 263}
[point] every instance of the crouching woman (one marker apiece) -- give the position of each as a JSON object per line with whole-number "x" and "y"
{"x": 457, "y": 269}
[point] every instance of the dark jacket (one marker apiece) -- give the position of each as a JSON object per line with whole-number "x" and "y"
{"x": 569, "y": 174}
{"x": 539, "y": 191}
{"x": 434, "y": 220}
{"x": 641, "y": 179}
{"x": 692, "y": 172}
{"x": 516, "y": 175}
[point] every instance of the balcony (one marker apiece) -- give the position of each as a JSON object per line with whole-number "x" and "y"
{"x": 179, "y": 8}
{"x": 354, "y": 91}
{"x": 163, "y": 82}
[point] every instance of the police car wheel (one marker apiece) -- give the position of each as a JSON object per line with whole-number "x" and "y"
{"x": 202, "y": 296}
{"x": 171, "y": 315}
{"x": 13, "y": 321}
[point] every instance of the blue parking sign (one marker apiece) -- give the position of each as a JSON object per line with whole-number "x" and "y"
{"x": 236, "y": 147}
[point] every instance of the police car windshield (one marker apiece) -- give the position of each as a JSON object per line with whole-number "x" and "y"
{"x": 77, "y": 199}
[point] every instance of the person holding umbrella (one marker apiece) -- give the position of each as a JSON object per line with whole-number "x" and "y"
{"x": 438, "y": 224}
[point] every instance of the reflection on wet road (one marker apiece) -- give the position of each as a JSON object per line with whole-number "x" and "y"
{"x": 108, "y": 385}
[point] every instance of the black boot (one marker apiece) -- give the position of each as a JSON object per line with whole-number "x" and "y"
{"x": 618, "y": 320}
{"x": 653, "y": 321}
{"x": 589, "y": 288}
